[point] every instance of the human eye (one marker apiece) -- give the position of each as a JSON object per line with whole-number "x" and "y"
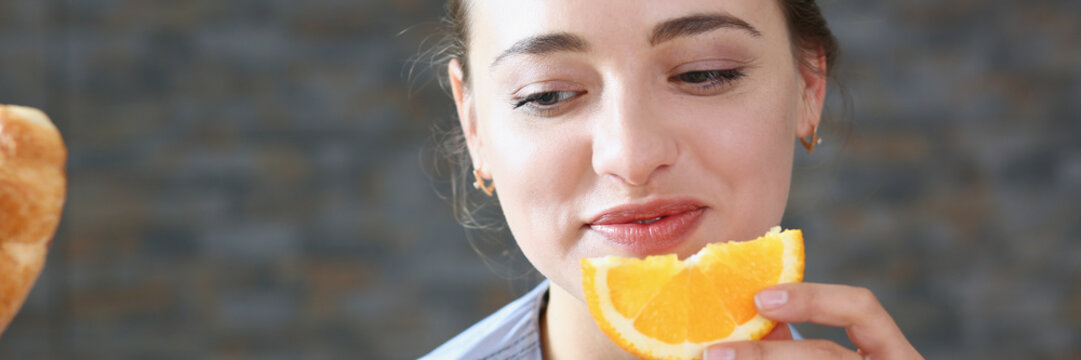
{"x": 547, "y": 98}
{"x": 707, "y": 82}
{"x": 544, "y": 103}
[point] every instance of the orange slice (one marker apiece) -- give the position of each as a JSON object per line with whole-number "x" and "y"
{"x": 663, "y": 308}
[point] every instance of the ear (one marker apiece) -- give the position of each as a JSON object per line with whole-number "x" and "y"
{"x": 812, "y": 94}
{"x": 463, "y": 101}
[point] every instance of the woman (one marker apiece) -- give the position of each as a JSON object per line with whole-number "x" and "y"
{"x": 631, "y": 128}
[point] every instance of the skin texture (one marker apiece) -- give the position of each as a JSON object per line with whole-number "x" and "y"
{"x": 629, "y": 129}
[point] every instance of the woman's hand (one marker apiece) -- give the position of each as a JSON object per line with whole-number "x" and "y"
{"x": 855, "y": 309}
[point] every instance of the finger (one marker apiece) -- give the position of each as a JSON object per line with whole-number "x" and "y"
{"x": 787, "y": 349}
{"x": 857, "y": 310}
{"x": 780, "y": 332}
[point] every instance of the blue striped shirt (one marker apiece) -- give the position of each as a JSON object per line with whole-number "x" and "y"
{"x": 513, "y": 332}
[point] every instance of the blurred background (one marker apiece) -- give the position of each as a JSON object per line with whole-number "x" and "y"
{"x": 249, "y": 179}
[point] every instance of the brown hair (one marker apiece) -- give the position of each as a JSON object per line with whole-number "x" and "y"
{"x": 807, "y": 28}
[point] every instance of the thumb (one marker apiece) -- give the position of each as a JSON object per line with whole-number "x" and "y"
{"x": 780, "y": 332}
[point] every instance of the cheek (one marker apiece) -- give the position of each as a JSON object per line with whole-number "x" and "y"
{"x": 524, "y": 167}
{"x": 537, "y": 172}
{"x": 745, "y": 148}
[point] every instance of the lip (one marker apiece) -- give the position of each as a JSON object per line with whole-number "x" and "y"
{"x": 636, "y": 227}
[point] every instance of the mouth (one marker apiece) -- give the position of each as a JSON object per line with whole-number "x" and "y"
{"x": 649, "y": 228}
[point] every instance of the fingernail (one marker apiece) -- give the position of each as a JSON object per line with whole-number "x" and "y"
{"x": 770, "y": 299}
{"x": 719, "y": 353}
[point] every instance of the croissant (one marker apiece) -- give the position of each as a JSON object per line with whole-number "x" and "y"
{"x": 32, "y": 190}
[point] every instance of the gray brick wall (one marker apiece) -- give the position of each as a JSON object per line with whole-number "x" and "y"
{"x": 246, "y": 179}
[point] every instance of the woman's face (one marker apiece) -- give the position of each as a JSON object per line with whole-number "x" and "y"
{"x": 616, "y": 127}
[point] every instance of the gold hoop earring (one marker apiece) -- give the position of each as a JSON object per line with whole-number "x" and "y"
{"x": 480, "y": 185}
{"x": 815, "y": 140}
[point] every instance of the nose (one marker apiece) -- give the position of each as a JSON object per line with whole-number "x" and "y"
{"x": 632, "y": 140}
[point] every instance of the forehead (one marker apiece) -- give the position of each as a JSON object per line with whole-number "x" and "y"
{"x": 498, "y": 24}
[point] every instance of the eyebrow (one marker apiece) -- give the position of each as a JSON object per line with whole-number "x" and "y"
{"x": 668, "y": 30}
{"x": 544, "y": 44}
{"x": 697, "y": 24}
